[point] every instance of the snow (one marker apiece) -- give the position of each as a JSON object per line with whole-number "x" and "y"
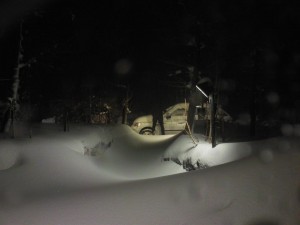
{"x": 111, "y": 175}
{"x": 49, "y": 120}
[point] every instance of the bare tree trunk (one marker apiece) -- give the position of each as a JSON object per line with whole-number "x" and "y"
{"x": 252, "y": 115}
{"x": 192, "y": 103}
{"x": 12, "y": 118}
{"x": 191, "y": 116}
{"x": 90, "y": 107}
{"x": 66, "y": 119}
{"x": 253, "y": 96}
{"x": 125, "y": 109}
{"x": 19, "y": 65}
{"x": 16, "y": 84}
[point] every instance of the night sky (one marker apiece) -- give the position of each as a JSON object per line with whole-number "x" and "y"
{"x": 75, "y": 49}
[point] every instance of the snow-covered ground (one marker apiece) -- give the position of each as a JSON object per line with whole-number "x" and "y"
{"x": 111, "y": 175}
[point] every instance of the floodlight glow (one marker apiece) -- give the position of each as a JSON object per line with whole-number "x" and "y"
{"x": 202, "y": 91}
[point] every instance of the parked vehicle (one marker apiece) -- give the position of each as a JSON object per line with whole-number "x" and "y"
{"x": 174, "y": 118}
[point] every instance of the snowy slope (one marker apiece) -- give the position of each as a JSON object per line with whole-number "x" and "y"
{"x": 49, "y": 180}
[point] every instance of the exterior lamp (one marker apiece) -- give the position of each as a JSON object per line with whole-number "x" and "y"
{"x": 201, "y": 91}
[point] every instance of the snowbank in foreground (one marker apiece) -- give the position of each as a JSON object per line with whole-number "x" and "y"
{"x": 51, "y": 181}
{"x": 247, "y": 192}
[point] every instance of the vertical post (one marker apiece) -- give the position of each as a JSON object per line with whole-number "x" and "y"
{"x": 212, "y": 120}
{"x": 215, "y": 99}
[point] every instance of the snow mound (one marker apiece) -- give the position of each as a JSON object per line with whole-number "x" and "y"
{"x": 135, "y": 156}
{"x": 184, "y": 149}
{"x": 57, "y": 184}
{"x": 8, "y": 158}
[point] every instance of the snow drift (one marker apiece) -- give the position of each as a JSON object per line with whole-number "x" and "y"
{"x": 111, "y": 175}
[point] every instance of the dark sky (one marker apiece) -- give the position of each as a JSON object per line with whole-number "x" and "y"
{"x": 76, "y": 46}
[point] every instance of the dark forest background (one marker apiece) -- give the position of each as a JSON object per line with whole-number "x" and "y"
{"x": 76, "y": 53}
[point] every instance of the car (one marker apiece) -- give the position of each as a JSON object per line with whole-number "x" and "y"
{"x": 175, "y": 119}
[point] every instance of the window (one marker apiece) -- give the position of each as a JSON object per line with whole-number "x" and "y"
{"x": 179, "y": 112}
